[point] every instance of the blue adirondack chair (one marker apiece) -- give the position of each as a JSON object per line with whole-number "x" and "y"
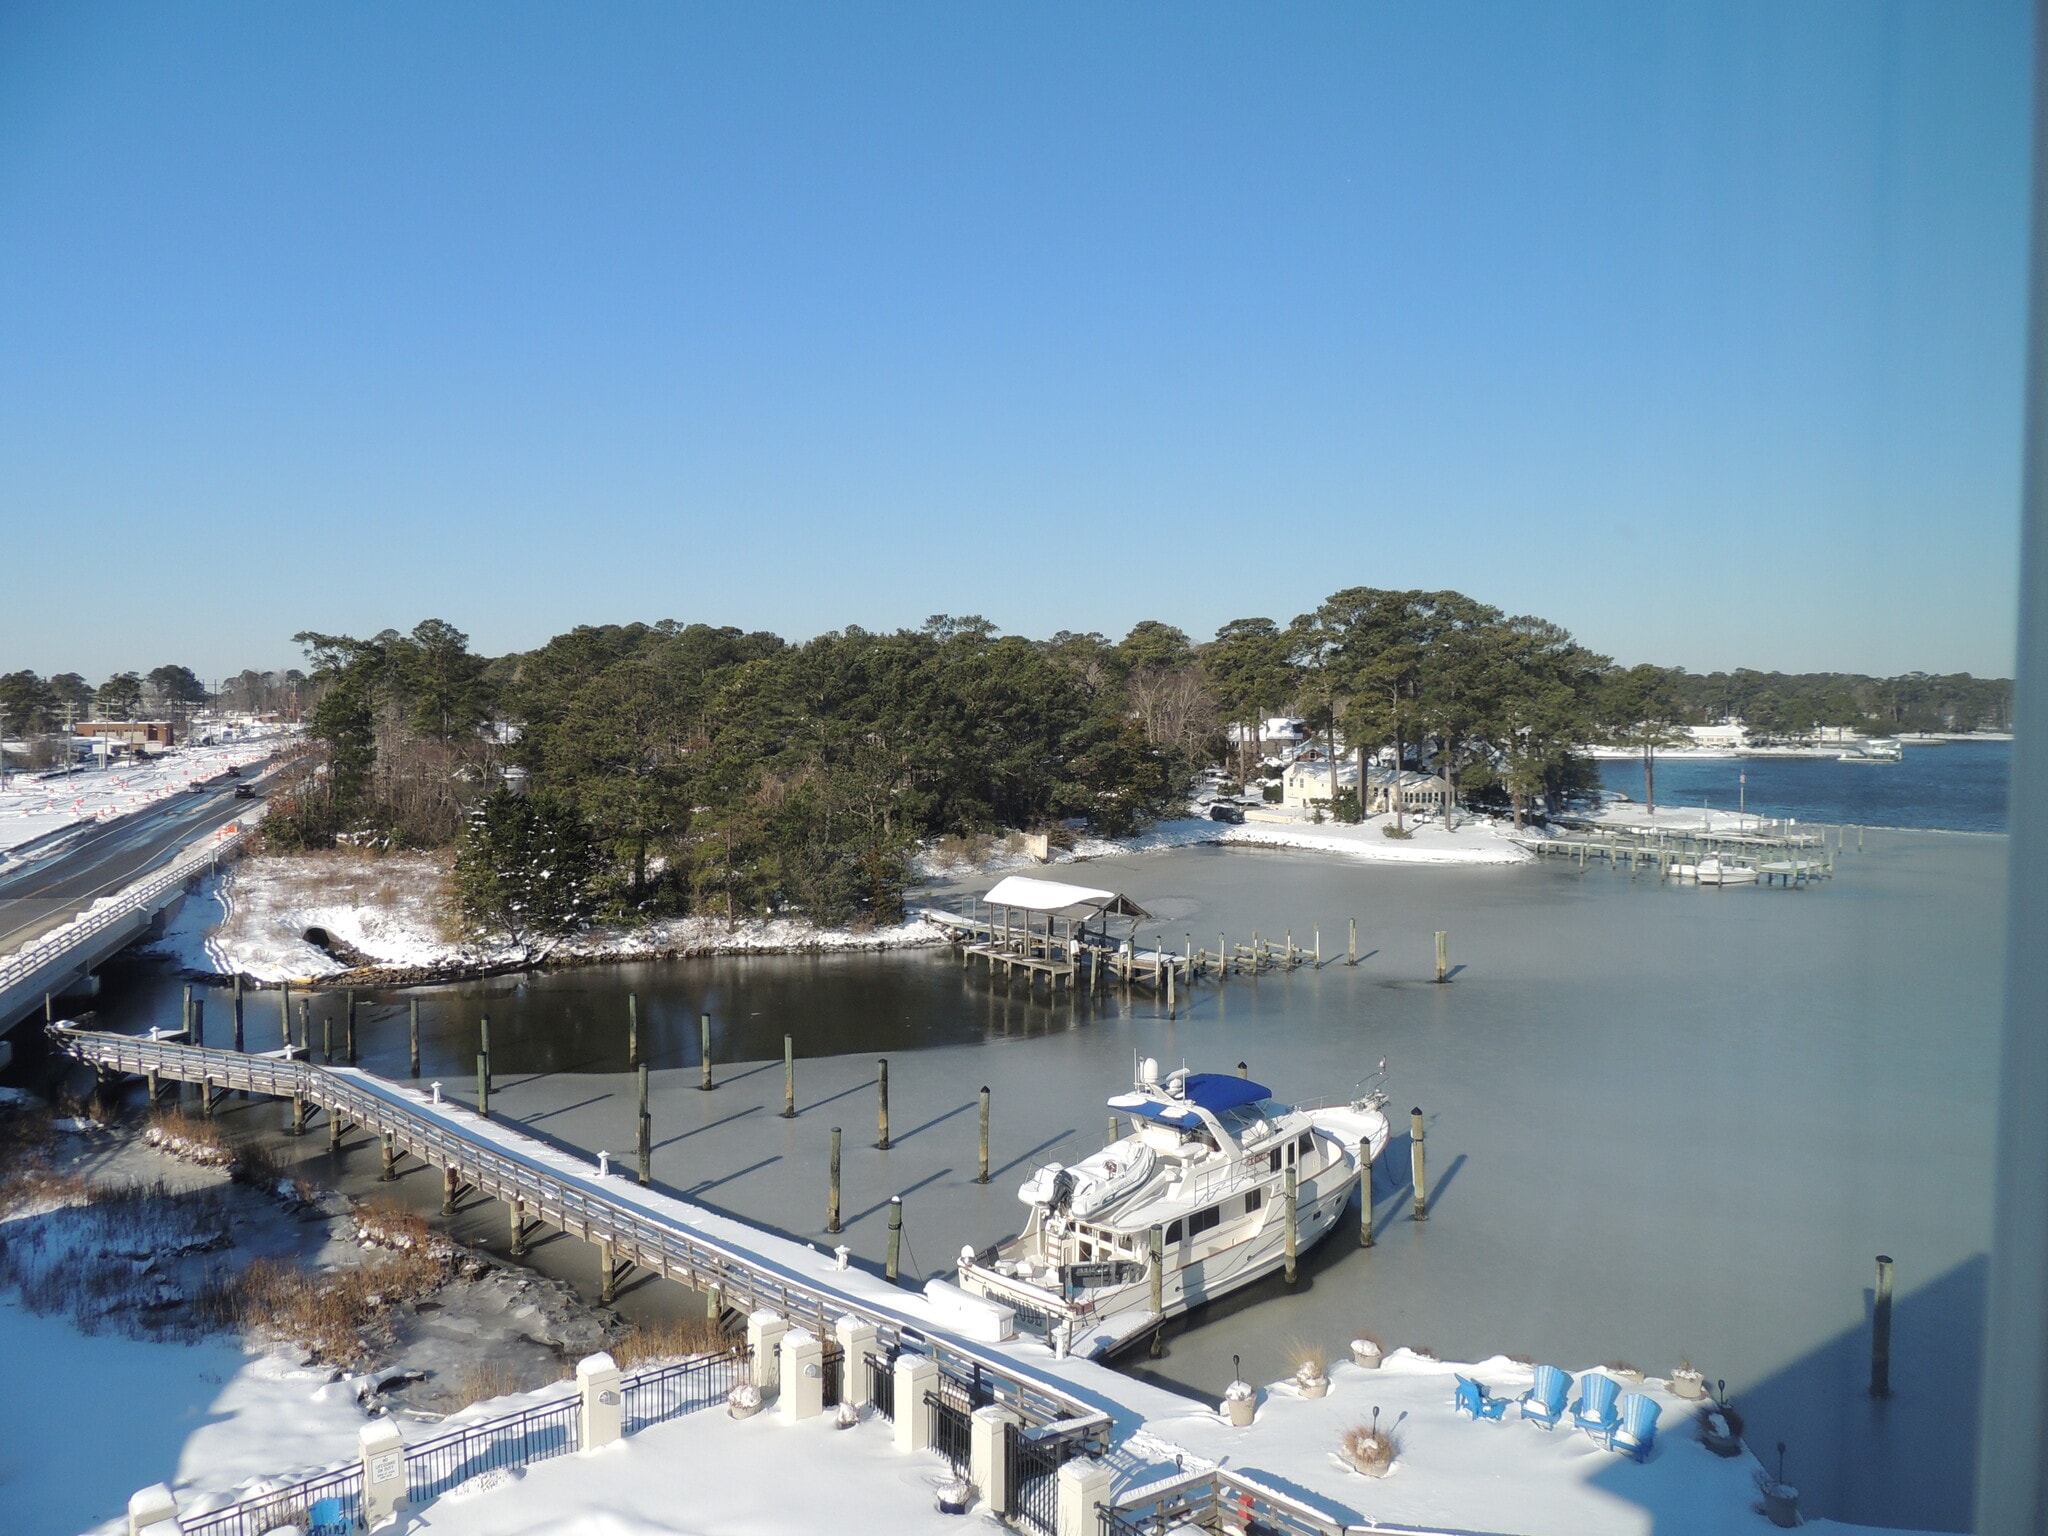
{"x": 1471, "y": 1398}
{"x": 1544, "y": 1402}
{"x": 326, "y": 1518}
{"x": 1638, "y": 1430}
{"x": 1594, "y": 1411}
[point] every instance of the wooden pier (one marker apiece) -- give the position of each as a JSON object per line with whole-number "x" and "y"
{"x": 1771, "y": 853}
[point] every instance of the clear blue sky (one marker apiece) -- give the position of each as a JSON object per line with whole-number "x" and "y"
{"x": 1695, "y": 328}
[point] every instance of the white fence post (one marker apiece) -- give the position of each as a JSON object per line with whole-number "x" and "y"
{"x": 856, "y": 1349}
{"x": 915, "y": 1376}
{"x": 153, "y": 1510}
{"x": 383, "y": 1472}
{"x": 764, "y": 1338}
{"x": 1083, "y": 1484}
{"x": 604, "y": 1404}
{"x": 988, "y": 1467}
{"x": 803, "y": 1377}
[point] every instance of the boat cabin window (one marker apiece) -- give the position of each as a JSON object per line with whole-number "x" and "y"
{"x": 1306, "y": 1144}
{"x": 1202, "y": 1221}
{"x": 1253, "y": 1200}
{"x": 1173, "y": 1234}
{"x": 1273, "y": 1161}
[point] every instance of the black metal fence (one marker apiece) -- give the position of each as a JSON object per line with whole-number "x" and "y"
{"x": 951, "y": 1435}
{"x": 434, "y": 1466}
{"x": 290, "y": 1506}
{"x": 882, "y": 1385}
{"x": 673, "y": 1390}
{"x": 1033, "y": 1465}
{"x": 834, "y": 1368}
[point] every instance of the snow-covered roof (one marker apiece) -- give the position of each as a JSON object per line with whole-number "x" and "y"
{"x": 1059, "y": 898}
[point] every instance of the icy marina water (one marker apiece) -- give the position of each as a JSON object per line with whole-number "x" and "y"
{"x": 1662, "y": 1121}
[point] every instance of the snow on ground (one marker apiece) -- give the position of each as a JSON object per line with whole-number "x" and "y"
{"x": 710, "y": 1472}
{"x": 33, "y": 807}
{"x": 1635, "y": 816}
{"x": 1476, "y": 840}
{"x": 390, "y": 908}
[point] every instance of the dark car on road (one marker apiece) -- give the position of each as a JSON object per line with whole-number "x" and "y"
{"x": 245, "y": 792}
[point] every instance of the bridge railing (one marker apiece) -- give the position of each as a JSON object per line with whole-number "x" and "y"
{"x": 139, "y": 897}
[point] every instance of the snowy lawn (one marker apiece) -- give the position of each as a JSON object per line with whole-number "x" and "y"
{"x": 708, "y": 1472}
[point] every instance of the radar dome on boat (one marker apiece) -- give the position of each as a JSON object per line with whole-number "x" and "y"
{"x": 1148, "y": 1070}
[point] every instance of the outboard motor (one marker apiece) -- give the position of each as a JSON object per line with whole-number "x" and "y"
{"x": 1062, "y": 1192}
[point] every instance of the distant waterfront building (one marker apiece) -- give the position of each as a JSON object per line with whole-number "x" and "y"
{"x": 1730, "y": 734}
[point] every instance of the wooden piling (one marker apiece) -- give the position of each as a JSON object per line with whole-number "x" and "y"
{"x": 1443, "y": 956}
{"x": 789, "y": 1077}
{"x": 832, "y": 1199}
{"x": 199, "y": 1021}
{"x": 306, "y": 1024}
{"x": 1222, "y": 955}
{"x": 1244, "y": 1069}
{"x": 1365, "y": 1193}
{"x": 895, "y": 1238}
{"x": 1157, "y": 1244}
{"x": 390, "y": 1173}
{"x": 607, "y": 1275}
{"x": 351, "y": 1036}
{"x": 184, "y": 1012}
{"x": 237, "y": 1005}
{"x": 1351, "y": 957}
{"x": 646, "y": 1131}
{"x": 298, "y": 1114}
{"x": 1416, "y": 1164}
{"x": 284, "y": 1017}
{"x": 483, "y": 1085}
{"x": 327, "y": 1038}
{"x": 1293, "y": 1236}
{"x": 1881, "y": 1331}
{"x": 632, "y": 1030}
{"x": 882, "y": 1101}
{"x": 334, "y": 1130}
{"x": 412, "y": 1034}
{"x": 451, "y": 1186}
{"x": 1114, "y": 1125}
{"x": 704, "y": 1050}
{"x": 518, "y": 1219}
{"x": 982, "y": 1176}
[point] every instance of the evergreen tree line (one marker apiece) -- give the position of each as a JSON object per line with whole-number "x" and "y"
{"x": 657, "y": 769}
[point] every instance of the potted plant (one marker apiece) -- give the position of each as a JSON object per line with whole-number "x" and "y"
{"x": 1366, "y": 1352}
{"x": 743, "y": 1401}
{"x": 1720, "y": 1426}
{"x": 1311, "y": 1369}
{"x": 1369, "y": 1449}
{"x": 847, "y": 1416}
{"x": 956, "y": 1496}
{"x": 1240, "y": 1398}
{"x": 1781, "y": 1499}
{"x": 1687, "y": 1382}
{"x": 1628, "y": 1375}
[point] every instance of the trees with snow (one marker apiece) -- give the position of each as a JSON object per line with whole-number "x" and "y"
{"x": 523, "y": 870}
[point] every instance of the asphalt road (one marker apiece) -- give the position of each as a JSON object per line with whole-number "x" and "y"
{"x": 68, "y": 874}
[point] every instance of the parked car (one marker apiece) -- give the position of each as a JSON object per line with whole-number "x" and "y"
{"x": 1226, "y": 810}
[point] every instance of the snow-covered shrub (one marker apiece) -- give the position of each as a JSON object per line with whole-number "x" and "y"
{"x": 1368, "y": 1448}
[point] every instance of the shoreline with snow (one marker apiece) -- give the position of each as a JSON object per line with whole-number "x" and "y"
{"x": 385, "y": 921}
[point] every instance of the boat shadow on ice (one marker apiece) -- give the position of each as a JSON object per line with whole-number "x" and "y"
{"x": 1904, "y": 1461}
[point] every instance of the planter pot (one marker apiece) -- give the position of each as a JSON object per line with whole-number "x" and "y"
{"x": 1240, "y": 1410}
{"x": 956, "y": 1498}
{"x": 743, "y": 1410}
{"x": 1690, "y": 1385}
{"x": 1366, "y": 1356}
{"x": 1319, "y": 1387}
{"x": 1781, "y": 1503}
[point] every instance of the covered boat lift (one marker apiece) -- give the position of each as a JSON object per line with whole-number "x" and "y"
{"x": 1046, "y": 928}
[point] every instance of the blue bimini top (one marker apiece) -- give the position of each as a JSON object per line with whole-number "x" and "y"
{"x": 1216, "y": 1092}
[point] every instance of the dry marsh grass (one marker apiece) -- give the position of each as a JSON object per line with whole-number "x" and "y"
{"x": 344, "y": 1317}
{"x": 483, "y": 1380}
{"x": 1369, "y": 1448}
{"x": 674, "y": 1339}
{"x": 1311, "y": 1361}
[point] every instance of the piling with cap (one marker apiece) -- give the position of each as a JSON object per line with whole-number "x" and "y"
{"x": 1443, "y": 956}
{"x": 1243, "y": 1070}
{"x": 882, "y": 1103}
{"x": 451, "y": 1186}
{"x": 284, "y": 1016}
{"x": 832, "y": 1199}
{"x": 483, "y": 1069}
{"x": 1293, "y": 1237}
{"x": 895, "y": 1238}
{"x": 327, "y": 1037}
{"x": 1365, "y": 1193}
{"x": 789, "y": 1077}
{"x": 390, "y": 1172}
{"x": 412, "y": 1034}
{"x": 184, "y": 1014}
{"x": 1156, "y": 1243}
{"x": 1881, "y": 1331}
{"x": 238, "y": 1012}
{"x": 982, "y": 1177}
{"x": 646, "y": 1124}
{"x": 1352, "y": 954}
{"x": 1416, "y": 1164}
{"x": 632, "y": 1030}
{"x": 704, "y": 1050}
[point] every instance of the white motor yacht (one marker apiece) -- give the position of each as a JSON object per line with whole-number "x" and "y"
{"x": 1194, "y": 1203}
